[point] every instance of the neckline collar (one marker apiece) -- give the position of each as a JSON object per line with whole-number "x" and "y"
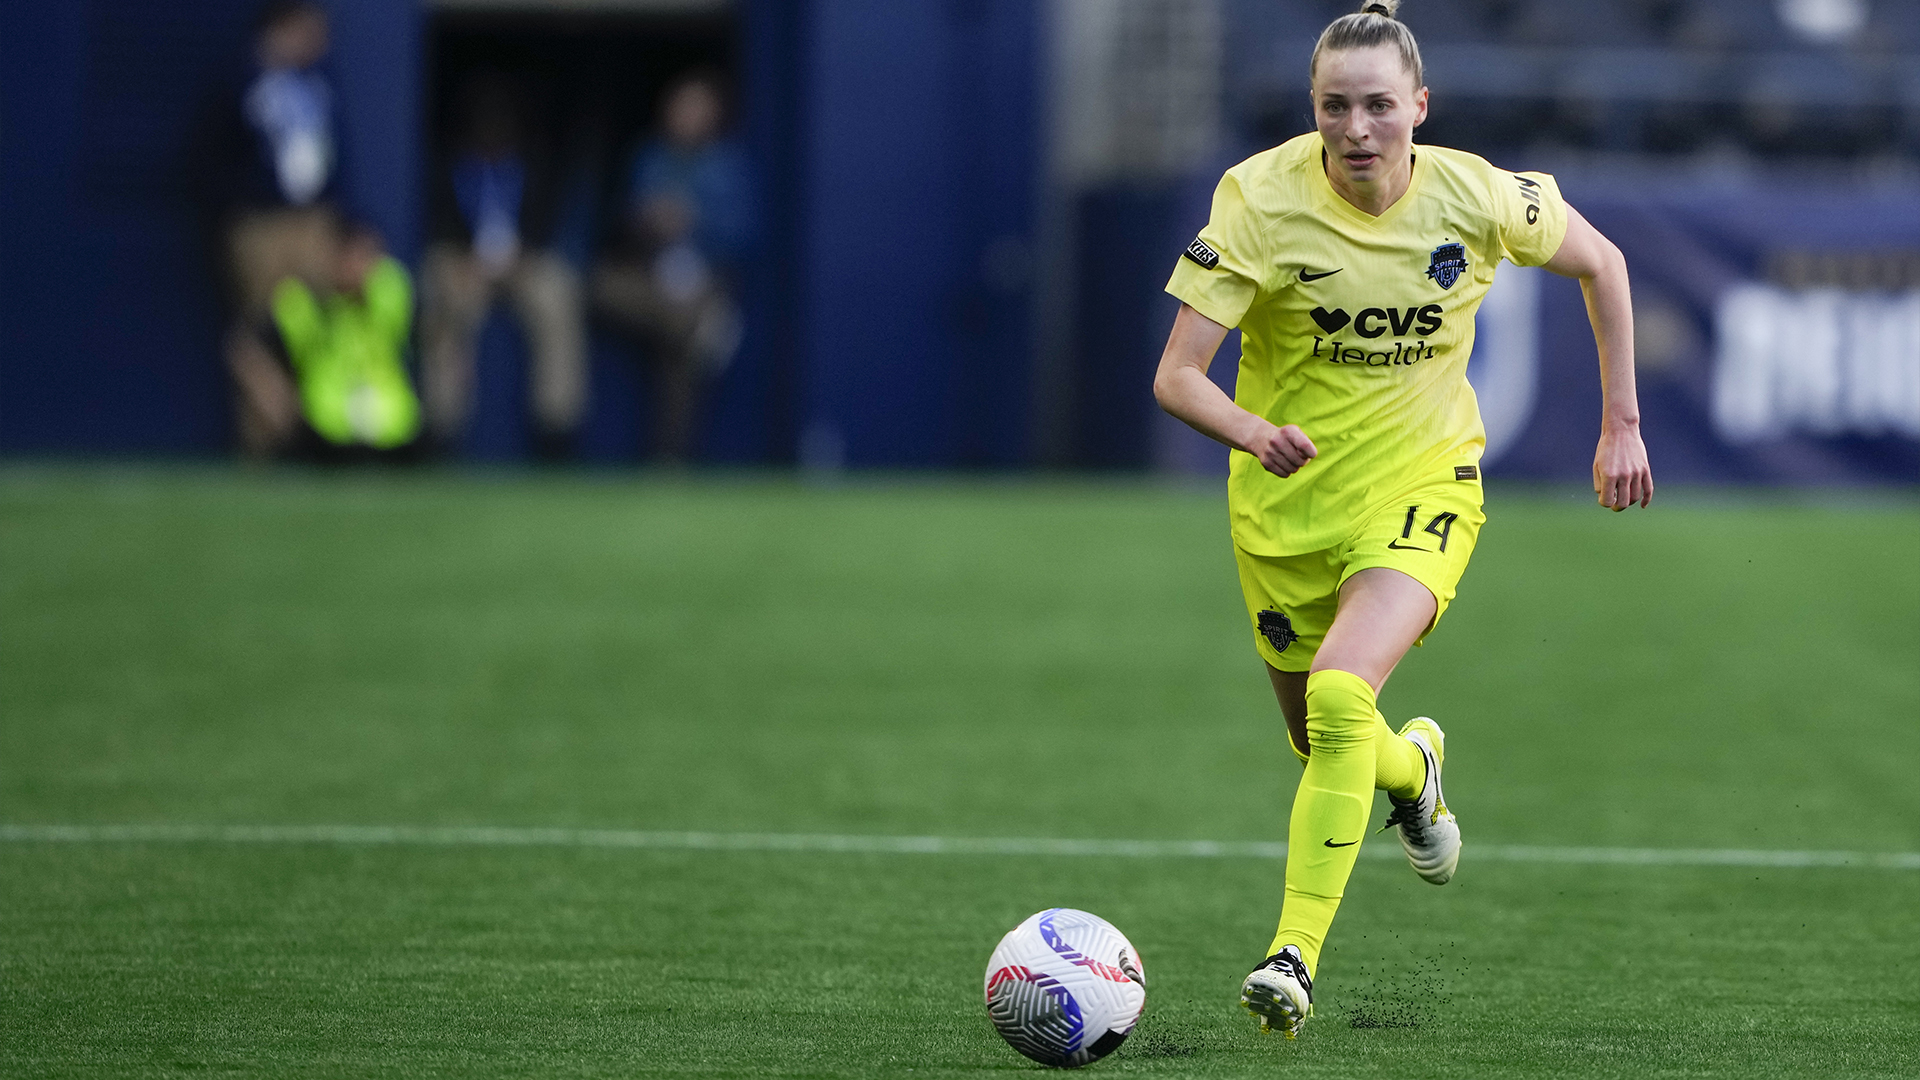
{"x": 1327, "y": 191}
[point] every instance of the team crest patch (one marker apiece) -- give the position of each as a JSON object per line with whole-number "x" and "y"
{"x": 1277, "y": 629}
{"x": 1199, "y": 252}
{"x": 1449, "y": 261}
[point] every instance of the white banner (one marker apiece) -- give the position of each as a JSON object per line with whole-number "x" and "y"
{"x": 1823, "y": 362}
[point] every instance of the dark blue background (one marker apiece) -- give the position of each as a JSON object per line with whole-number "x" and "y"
{"x": 895, "y": 144}
{"x": 109, "y": 309}
{"x": 890, "y": 308}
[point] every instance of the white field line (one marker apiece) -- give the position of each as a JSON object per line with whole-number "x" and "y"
{"x": 489, "y": 836}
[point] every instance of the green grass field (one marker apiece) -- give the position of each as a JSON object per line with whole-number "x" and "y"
{"x": 923, "y": 658}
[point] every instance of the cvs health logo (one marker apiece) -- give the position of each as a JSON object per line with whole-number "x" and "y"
{"x": 1373, "y": 323}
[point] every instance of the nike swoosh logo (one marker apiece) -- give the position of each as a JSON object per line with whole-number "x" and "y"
{"x": 1398, "y": 546}
{"x": 1349, "y": 843}
{"x": 1308, "y": 275}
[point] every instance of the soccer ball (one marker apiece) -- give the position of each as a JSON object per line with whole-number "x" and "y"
{"x": 1065, "y": 987}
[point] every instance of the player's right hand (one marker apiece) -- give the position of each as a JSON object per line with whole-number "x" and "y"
{"x": 1283, "y": 451}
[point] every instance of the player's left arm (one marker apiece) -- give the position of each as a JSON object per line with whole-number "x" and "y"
{"x": 1621, "y": 474}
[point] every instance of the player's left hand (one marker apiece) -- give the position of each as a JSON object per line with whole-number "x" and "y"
{"x": 1621, "y": 474}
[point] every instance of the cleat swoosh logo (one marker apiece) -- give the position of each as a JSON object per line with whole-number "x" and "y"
{"x": 1349, "y": 843}
{"x": 1308, "y": 275}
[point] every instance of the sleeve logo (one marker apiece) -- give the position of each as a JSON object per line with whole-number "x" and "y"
{"x": 1199, "y": 252}
{"x": 1530, "y": 191}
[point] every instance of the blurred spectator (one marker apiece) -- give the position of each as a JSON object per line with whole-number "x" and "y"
{"x": 346, "y": 349}
{"x": 493, "y": 229}
{"x": 688, "y": 221}
{"x": 279, "y": 172}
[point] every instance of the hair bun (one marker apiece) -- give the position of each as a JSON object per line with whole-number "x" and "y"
{"x": 1383, "y": 8}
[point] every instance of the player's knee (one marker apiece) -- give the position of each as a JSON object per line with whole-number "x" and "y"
{"x": 1340, "y": 708}
{"x": 1339, "y": 732}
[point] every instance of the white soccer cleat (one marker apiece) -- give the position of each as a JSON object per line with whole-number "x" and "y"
{"x": 1428, "y": 830}
{"x": 1280, "y": 992}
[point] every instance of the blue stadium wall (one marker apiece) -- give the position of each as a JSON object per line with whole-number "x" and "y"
{"x": 920, "y": 160}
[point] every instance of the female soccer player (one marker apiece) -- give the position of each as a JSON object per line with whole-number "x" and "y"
{"x": 1353, "y": 261}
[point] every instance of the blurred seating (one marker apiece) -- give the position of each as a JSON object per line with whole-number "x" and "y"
{"x": 1771, "y": 79}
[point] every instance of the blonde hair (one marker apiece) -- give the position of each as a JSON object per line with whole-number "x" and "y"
{"x": 1370, "y": 26}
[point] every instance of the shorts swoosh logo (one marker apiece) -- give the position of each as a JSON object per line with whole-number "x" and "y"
{"x": 1398, "y": 546}
{"x": 1308, "y": 275}
{"x": 1349, "y": 843}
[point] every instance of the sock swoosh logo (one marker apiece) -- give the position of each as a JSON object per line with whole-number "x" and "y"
{"x": 1349, "y": 843}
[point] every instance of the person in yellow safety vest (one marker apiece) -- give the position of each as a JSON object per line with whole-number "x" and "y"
{"x": 347, "y": 349}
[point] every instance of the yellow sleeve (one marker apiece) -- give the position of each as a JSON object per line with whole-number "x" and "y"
{"x": 1531, "y": 214}
{"x": 1220, "y": 272}
{"x": 389, "y": 294}
{"x": 296, "y": 314}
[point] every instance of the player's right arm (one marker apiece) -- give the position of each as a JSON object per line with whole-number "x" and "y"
{"x": 1217, "y": 280}
{"x": 1182, "y": 388}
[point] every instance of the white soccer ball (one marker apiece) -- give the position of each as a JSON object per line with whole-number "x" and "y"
{"x": 1065, "y": 987}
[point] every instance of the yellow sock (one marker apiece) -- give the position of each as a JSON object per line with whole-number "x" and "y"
{"x": 1330, "y": 809}
{"x": 1397, "y": 765}
{"x": 1398, "y": 768}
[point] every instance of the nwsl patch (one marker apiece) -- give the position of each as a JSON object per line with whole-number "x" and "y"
{"x": 1448, "y": 263}
{"x": 1199, "y": 252}
{"x": 1277, "y": 629}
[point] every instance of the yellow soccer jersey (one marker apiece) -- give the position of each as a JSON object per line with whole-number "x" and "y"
{"x": 1357, "y": 328}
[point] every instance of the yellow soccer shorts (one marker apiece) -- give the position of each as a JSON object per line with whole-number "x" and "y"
{"x": 1427, "y": 534}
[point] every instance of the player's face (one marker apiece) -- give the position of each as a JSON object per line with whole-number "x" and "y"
{"x": 1366, "y": 106}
